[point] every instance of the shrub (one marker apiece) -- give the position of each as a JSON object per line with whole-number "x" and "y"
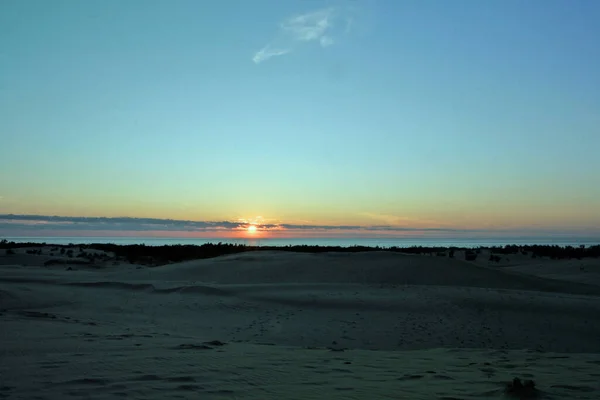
{"x": 521, "y": 389}
{"x": 470, "y": 256}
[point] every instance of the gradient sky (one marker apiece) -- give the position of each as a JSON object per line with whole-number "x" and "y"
{"x": 461, "y": 114}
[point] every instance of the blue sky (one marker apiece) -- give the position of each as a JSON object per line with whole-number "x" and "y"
{"x": 427, "y": 114}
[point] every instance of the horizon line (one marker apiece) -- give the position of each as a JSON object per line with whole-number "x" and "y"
{"x": 36, "y": 225}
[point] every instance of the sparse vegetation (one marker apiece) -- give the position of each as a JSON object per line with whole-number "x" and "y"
{"x": 65, "y": 262}
{"x": 155, "y": 255}
{"x": 521, "y": 390}
{"x": 554, "y": 252}
{"x": 495, "y": 258}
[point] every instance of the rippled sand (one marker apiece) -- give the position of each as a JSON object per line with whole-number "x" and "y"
{"x": 295, "y": 326}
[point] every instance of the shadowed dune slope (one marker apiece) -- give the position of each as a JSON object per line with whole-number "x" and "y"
{"x": 358, "y": 268}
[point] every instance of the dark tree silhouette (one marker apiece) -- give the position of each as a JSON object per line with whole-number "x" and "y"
{"x": 174, "y": 253}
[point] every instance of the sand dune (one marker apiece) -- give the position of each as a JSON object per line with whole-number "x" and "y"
{"x": 376, "y": 268}
{"x": 414, "y": 327}
{"x": 585, "y": 271}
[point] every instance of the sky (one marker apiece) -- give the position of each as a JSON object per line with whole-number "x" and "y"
{"x": 300, "y": 117}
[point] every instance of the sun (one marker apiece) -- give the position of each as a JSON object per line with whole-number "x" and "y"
{"x": 252, "y": 229}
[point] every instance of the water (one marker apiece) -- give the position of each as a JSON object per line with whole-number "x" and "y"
{"x": 343, "y": 242}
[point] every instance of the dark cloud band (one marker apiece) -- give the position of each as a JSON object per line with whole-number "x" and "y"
{"x": 46, "y": 222}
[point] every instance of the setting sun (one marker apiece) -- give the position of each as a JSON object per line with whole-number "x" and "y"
{"x": 252, "y": 229}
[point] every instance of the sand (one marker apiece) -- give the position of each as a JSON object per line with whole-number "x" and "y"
{"x": 274, "y": 325}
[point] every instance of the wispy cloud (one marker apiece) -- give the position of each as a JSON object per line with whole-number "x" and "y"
{"x": 321, "y": 27}
{"x": 11, "y": 221}
{"x": 267, "y": 52}
{"x": 33, "y": 225}
{"x": 309, "y": 26}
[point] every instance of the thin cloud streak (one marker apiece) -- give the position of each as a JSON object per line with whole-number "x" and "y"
{"x": 309, "y": 26}
{"x": 11, "y": 221}
{"x": 318, "y": 26}
{"x": 267, "y": 52}
{"x": 15, "y": 225}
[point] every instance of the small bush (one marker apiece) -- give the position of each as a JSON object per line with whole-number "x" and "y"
{"x": 470, "y": 256}
{"x": 10, "y": 252}
{"x": 521, "y": 389}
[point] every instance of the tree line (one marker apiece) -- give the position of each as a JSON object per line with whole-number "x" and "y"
{"x": 136, "y": 253}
